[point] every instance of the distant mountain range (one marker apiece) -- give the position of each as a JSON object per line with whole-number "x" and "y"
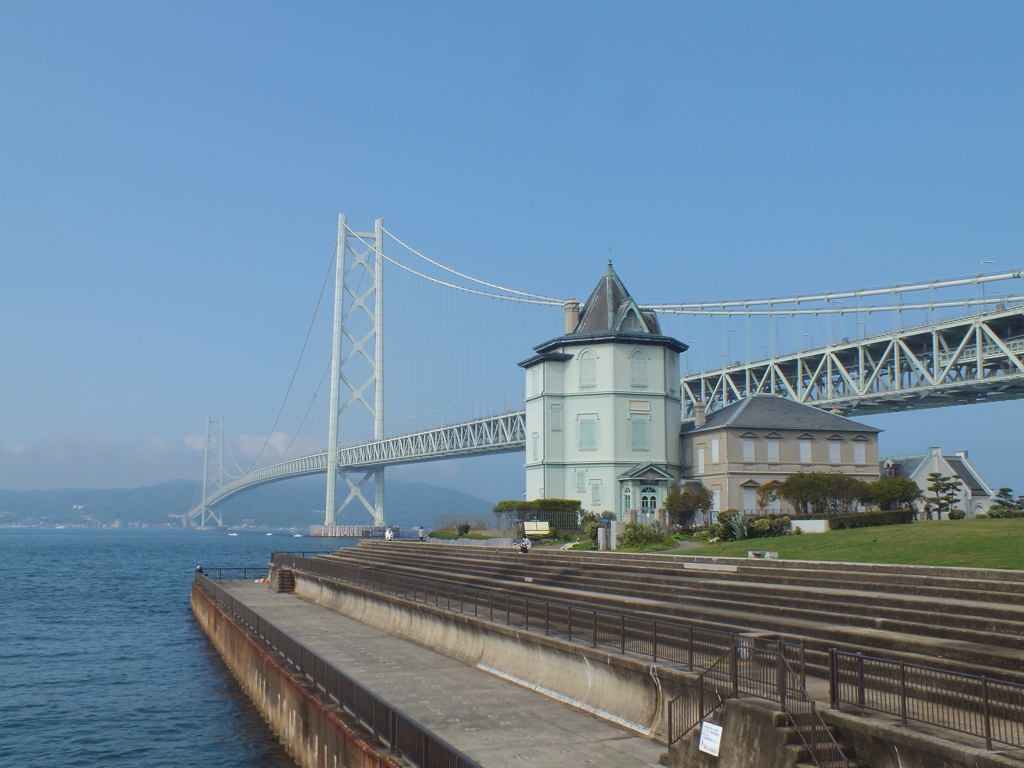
{"x": 298, "y": 502}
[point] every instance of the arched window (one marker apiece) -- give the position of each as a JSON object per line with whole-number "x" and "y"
{"x": 648, "y": 499}
{"x": 588, "y": 369}
{"x": 638, "y": 368}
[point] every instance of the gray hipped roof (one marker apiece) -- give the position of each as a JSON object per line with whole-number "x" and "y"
{"x": 773, "y": 412}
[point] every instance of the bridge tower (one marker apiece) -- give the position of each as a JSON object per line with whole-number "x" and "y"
{"x": 213, "y": 471}
{"x": 357, "y": 358}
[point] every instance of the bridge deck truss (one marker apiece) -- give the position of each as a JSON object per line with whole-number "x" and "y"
{"x": 496, "y": 434}
{"x": 954, "y": 362}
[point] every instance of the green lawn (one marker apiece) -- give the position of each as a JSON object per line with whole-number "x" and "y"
{"x": 971, "y": 543}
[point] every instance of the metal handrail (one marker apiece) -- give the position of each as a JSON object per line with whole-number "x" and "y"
{"x": 393, "y": 727}
{"x": 971, "y": 704}
{"x": 803, "y": 714}
{"x": 219, "y": 572}
{"x": 781, "y": 685}
{"x": 684, "y": 703}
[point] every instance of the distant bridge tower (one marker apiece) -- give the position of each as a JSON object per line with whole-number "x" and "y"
{"x": 357, "y": 357}
{"x": 213, "y": 470}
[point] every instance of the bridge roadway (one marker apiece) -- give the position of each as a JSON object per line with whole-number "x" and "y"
{"x": 493, "y": 721}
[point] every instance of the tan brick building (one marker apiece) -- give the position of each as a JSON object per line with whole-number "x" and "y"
{"x": 735, "y": 450}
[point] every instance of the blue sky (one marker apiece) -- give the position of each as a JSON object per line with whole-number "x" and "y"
{"x": 171, "y": 174}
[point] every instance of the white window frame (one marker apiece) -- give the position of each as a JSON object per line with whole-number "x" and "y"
{"x": 555, "y": 416}
{"x": 860, "y": 452}
{"x": 640, "y": 432}
{"x": 588, "y": 369}
{"x": 749, "y": 449}
{"x": 772, "y": 446}
{"x": 835, "y": 452}
{"x": 638, "y": 368}
{"x": 700, "y": 461}
{"x": 749, "y": 499}
{"x": 806, "y": 451}
{"x": 595, "y": 437}
{"x": 714, "y": 450}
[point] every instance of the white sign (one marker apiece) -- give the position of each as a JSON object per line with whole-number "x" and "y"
{"x": 710, "y": 738}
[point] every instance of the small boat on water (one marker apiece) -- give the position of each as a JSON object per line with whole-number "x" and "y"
{"x": 232, "y": 534}
{"x": 270, "y": 534}
{"x": 296, "y": 535}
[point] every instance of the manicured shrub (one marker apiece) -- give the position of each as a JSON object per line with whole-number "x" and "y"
{"x": 639, "y": 535}
{"x": 462, "y": 529}
{"x": 998, "y": 511}
{"x": 957, "y": 514}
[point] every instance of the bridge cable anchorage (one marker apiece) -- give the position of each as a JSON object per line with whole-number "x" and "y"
{"x": 295, "y": 372}
{"x": 534, "y": 298}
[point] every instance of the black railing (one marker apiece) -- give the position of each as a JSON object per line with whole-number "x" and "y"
{"x": 758, "y": 667}
{"x": 668, "y": 642}
{"x": 389, "y": 724}
{"x": 219, "y": 573}
{"x": 708, "y": 692}
{"x": 971, "y": 704}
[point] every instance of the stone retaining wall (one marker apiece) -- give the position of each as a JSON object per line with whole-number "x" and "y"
{"x": 309, "y": 729}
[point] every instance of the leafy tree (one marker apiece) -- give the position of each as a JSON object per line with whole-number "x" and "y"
{"x": 1005, "y": 505}
{"x": 945, "y": 494}
{"x": 767, "y": 493}
{"x": 823, "y": 492}
{"x": 892, "y": 493}
{"x": 684, "y": 503}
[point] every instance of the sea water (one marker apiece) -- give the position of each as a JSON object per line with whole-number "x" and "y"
{"x": 102, "y": 664}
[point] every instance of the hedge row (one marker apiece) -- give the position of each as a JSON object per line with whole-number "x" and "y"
{"x": 538, "y": 505}
{"x": 869, "y": 519}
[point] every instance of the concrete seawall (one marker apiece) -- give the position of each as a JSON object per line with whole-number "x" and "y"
{"x": 626, "y": 691}
{"x": 311, "y": 731}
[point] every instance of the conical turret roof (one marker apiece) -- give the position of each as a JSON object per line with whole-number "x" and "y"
{"x": 610, "y": 308}
{"x": 609, "y": 315}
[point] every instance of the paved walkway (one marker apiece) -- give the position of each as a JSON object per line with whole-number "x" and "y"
{"x": 493, "y": 721}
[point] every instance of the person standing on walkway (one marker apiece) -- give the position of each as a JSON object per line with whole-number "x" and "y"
{"x": 423, "y": 535}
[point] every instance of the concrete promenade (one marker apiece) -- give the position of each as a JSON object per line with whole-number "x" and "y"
{"x": 493, "y": 721}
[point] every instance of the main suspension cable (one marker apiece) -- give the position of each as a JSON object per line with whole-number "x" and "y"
{"x": 295, "y": 372}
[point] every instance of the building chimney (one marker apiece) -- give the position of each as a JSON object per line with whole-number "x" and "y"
{"x": 699, "y": 419}
{"x": 572, "y": 315}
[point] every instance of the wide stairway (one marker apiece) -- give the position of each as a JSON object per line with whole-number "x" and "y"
{"x": 957, "y": 619}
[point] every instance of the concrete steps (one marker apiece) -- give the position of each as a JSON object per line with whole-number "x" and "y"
{"x": 850, "y": 608}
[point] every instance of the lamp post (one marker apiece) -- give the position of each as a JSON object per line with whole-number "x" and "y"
{"x": 727, "y": 339}
{"x": 983, "y": 263}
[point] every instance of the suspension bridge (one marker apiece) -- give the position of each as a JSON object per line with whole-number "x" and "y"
{"x": 872, "y": 350}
